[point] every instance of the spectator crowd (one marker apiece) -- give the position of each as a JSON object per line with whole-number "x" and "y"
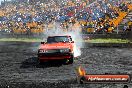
{"x": 89, "y": 16}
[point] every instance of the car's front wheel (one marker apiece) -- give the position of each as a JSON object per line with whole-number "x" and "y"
{"x": 69, "y": 61}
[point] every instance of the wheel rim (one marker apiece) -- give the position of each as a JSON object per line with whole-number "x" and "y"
{"x": 67, "y": 61}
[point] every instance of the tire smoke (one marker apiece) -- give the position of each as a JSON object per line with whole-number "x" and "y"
{"x": 73, "y": 31}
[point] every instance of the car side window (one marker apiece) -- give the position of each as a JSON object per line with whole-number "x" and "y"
{"x": 70, "y": 39}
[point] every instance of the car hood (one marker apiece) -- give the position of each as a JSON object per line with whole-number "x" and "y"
{"x": 55, "y": 45}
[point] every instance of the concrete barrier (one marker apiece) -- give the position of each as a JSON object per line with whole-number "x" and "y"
{"x": 109, "y": 45}
{"x": 117, "y": 36}
{"x": 86, "y": 45}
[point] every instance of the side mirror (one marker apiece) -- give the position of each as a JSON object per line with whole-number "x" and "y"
{"x": 72, "y": 41}
{"x": 42, "y": 42}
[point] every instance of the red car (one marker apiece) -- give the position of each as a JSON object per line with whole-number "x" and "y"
{"x": 57, "y": 48}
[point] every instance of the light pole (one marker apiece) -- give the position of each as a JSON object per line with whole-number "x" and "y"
{"x": 4, "y": 2}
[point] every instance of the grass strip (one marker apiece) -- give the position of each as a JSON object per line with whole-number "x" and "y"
{"x": 88, "y": 41}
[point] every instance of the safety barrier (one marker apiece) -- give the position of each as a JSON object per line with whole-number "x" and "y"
{"x": 109, "y": 45}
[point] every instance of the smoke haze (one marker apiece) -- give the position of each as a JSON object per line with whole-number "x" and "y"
{"x": 73, "y": 31}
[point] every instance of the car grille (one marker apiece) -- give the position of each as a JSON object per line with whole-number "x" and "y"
{"x": 53, "y": 51}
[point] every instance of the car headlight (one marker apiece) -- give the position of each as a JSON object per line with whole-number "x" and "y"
{"x": 65, "y": 50}
{"x": 42, "y": 51}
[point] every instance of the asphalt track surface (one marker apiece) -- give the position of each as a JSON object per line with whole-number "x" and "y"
{"x": 19, "y": 68}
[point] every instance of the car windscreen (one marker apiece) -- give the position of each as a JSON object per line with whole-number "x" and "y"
{"x": 58, "y": 39}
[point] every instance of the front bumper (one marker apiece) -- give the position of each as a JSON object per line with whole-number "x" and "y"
{"x": 54, "y": 56}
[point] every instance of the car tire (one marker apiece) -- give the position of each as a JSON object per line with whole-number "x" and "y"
{"x": 69, "y": 61}
{"x": 39, "y": 62}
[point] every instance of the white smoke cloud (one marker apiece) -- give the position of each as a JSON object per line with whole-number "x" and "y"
{"x": 73, "y": 31}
